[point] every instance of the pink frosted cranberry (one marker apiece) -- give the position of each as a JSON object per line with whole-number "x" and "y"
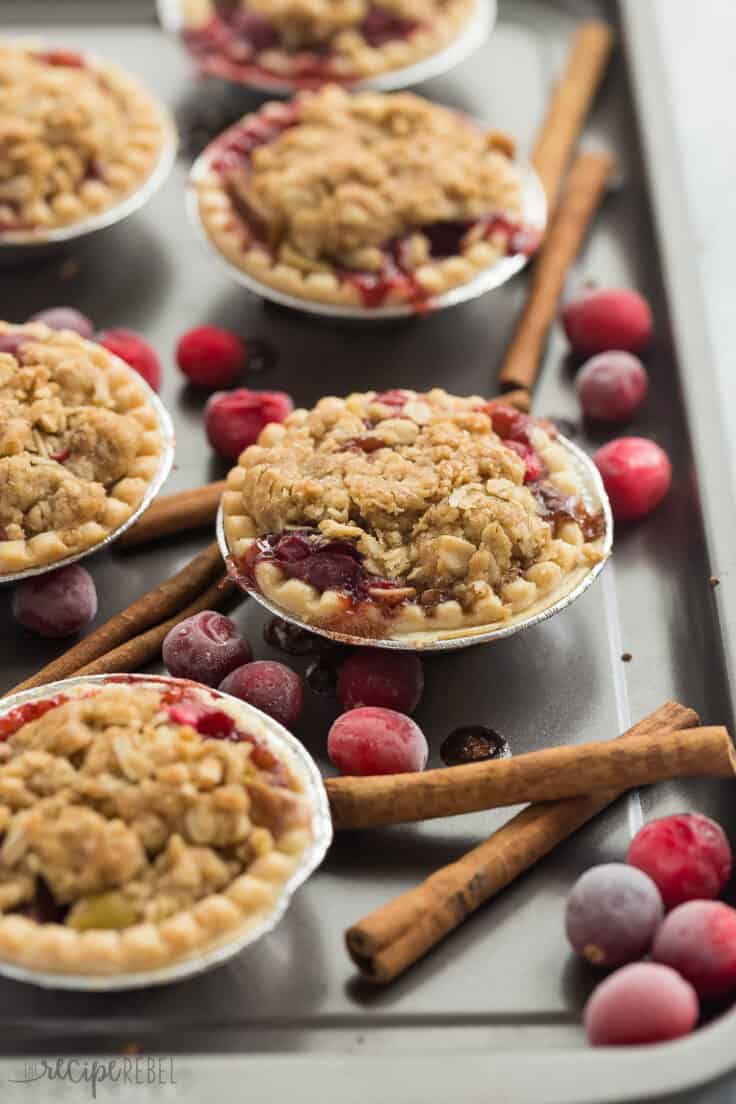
{"x": 687, "y": 855}
{"x": 210, "y": 356}
{"x": 698, "y": 939}
{"x": 57, "y": 604}
{"x": 636, "y": 473}
{"x": 136, "y": 352}
{"x": 371, "y": 740}
{"x": 269, "y": 686}
{"x": 373, "y": 676}
{"x": 205, "y": 647}
{"x": 234, "y": 419}
{"x": 599, "y": 319}
{"x": 643, "y": 1002}
{"x": 612, "y": 386}
{"x": 65, "y": 318}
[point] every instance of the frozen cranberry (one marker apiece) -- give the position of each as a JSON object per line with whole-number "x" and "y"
{"x": 376, "y": 741}
{"x": 211, "y": 357}
{"x": 612, "y": 914}
{"x": 643, "y": 1002}
{"x": 270, "y": 687}
{"x": 205, "y": 647}
{"x": 11, "y": 342}
{"x": 234, "y": 419}
{"x": 612, "y": 386}
{"x": 687, "y": 855}
{"x": 58, "y": 604}
{"x": 371, "y": 676}
{"x": 65, "y": 318}
{"x": 598, "y": 319}
{"x": 698, "y": 939}
{"x": 636, "y": 473}
{"x": 136, "y": 352}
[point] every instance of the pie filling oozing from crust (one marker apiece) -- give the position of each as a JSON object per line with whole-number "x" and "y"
{"x": 76, "y": 138}
{"x": 362, "y": 199}
{"x": 385, "y": 515}
{"x": 308, "y": 43}
{"x": 79, "y": 445}
{"x": 139, "y": 824}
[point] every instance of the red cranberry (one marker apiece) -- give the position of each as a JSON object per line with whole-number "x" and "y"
{"x": 612, "y": 914}
{"x": 698, "y": 939}
{"x": 643, "y": 1002}
{"x": 510, "y": 424}
{"x": 534, "y": 466}
{"x": 636, "y": 473}
{"x": 57, "y": 604}
{"x": 687, "y": 855}
{"x": 612, "y": 386}
{"x": 270, "y": 687}
{"x": 372, "y": 676}
{"x": 234, "y": 419}
{"x": 205, "y": 647}
{"x": 65, "y": 318}
{"x": 376, "y": 741}
{"x": 136, "y": 352}
{"x": 211, "y": 357}
{"x": 599, "y": 319}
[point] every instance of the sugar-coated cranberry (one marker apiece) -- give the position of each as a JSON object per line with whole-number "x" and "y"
{"x": 698, "y": 939}
{"x": 612, "y": 914}
{"x": 473, "y": 744}
{"x": 636, "y": 473}
{"x": 269, "y": 686}
{"x": 372, "y": 676}
{"x": 376, "y": 741}
{"x": 136, "y": 352}
{"x": 65, "y": 318}
{"x": 234, "y": 419}
{"x": 11, "y": 342}
{"x": 58, "y": 604}
{"x": 598, "y": 319}
{"x": 210, "y": 356}
{"x": 643, "y": 1002}
{"x": 612, "y": 386}
{"x": 205, "y": 647}
{"x": 687, "y": 855}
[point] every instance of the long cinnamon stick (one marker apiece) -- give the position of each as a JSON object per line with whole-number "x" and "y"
{"x": 569, "y": 105}
{"x": 151, "y": 609}
{"x": 583, "y": 191}
{"x": 175, "y": 513}
{"x": 548, "y": 775}
{"x": 389, "y": 940}
{"x": 144, "y": 648}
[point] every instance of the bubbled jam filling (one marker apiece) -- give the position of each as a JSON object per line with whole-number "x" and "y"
{"x": 232, "y": 44}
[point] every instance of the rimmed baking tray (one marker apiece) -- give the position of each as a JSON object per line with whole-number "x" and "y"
{"x": 493, "y": 1015}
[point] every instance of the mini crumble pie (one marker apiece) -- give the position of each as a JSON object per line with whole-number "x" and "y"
{"x": 79, "y": 445}
{"x": 140, "y": 825}
{"x": 76, "y": 137}
{"x": 405, "y": 515}
{"x": 362, "y": 199}
{"x": 308, "y": 43}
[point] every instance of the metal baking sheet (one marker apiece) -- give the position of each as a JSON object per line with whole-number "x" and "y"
{"x": 494, "y": 1013}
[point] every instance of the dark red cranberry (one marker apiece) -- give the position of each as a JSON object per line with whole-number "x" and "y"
{"x": 510, "y": 424}
{"x": 205, "y": 647}
{"x": 256, "y": 30}
{"x": 372, "y": 676}
{"x": 270, "y": 687}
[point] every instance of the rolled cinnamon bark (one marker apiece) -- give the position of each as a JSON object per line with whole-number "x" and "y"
{"x": 144, "y": 648}
{"x": 583, "y": 192}
{"x": 389, "y": 940}
{"x": 154, "y": 607}
{"x": 175, "y": 513}
{"x": 548, "y": 775}
{"x": 569, "y": 105}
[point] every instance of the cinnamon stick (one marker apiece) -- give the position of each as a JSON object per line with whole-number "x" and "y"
{"x": 518, "y": 398}
{"x": 151, "y": 609}
{"x": 548, "y": 775}
{"x": 389, "y": 940}
{"x": 175, "y": 513}
{"x": 583, "y": 192}
{"x": 569, "y": 105}
{"x": 144, "y": 648}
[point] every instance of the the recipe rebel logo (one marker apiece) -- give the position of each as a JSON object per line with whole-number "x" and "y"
{"x": 96, "y": 1072}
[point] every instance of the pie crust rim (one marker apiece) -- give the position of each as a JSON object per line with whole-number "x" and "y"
{"x": 253, "y": 926}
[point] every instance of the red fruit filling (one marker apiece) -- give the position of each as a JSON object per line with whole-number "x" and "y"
{"x": 14, "y": 719}
{"x": 687, "y": 855}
